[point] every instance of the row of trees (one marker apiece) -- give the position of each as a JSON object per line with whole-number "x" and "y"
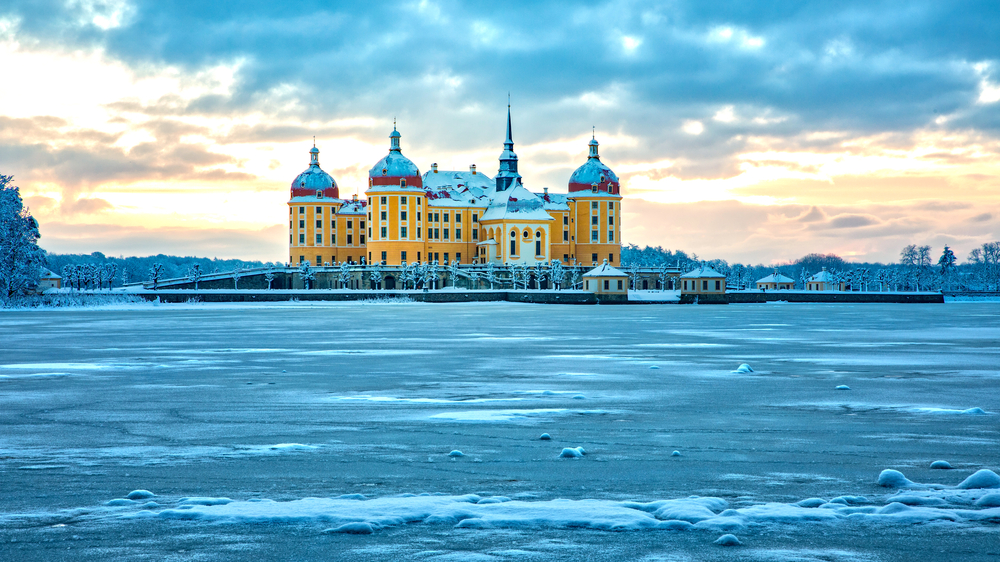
{"x": 917, "y": 270}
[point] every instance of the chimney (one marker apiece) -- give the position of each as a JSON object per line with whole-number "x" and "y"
{"x": 472, "y": 169}
{"x": 546, "y": 190}
{"x": 355, "y": 197}
{"x": 434, "y": 167}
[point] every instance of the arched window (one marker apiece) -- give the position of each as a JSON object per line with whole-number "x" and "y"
{"x": 319, "y": 194}
{"x": 527, "y": 233}
{"x": 538, "y": 234}
{"x": 402, "y": 182}
{"x": 513, "y": 234}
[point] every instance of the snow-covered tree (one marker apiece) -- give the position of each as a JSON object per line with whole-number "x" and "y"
{"x": 453, "y": 273}
{"x": 194, "y": 275}
{"x": 664, "y": 276}
{"x": 124, "y": 275}
{"x": 431, "y": 275}
{"x": 491, "y": 274}
{"x": 633, "y": 276}
{"x": 237, "y": 273}
{"x": 306, "y": 273}
{"x": 110, "y": 272}
{"x": 156, "y": 273}
{"x": 557, "y": 273}
{"x": 474, "y": 279}
{"x": 947, "y": 263}
{"x": 406, "y": 275}
{"x": 268, "y": 276}
{"x": 345, "y": 274}
{"x": 20, "y": 257}
{"x": 375, "y": 276}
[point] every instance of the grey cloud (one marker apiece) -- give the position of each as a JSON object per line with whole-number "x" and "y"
{"x": 851, "y": 221}
{"x": 982, "y": 217}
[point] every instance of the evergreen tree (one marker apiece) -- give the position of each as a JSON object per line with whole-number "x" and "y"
{"x": 20, "y": 257}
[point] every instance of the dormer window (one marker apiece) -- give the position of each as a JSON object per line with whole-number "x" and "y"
{"x": 385, "y": 171}
{"x": 602, "y": 178}
{"x": 402, "y": 183}
{"x": 371, "y": 182}
{"x": 593, "y": 188}
{"x": 319, "y": 194}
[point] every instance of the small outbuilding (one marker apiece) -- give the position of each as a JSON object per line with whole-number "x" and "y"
{"x": 776, "y": 282}
{"x": 703, "y": 281}
{"x": 606, "y": 280}
{"x": 49, "y": 280}
{"x": 824, "y": 281}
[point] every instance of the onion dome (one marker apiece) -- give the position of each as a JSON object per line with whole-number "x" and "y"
{"x": 594, "y": 172}
{"x": 395, "y": 169}
{"x": 314, "y": 182}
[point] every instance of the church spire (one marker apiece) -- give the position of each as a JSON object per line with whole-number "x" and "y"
{"x": 507, "y": 176}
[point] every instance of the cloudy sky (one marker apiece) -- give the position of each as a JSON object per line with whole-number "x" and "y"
{"x": 749, "y": 131}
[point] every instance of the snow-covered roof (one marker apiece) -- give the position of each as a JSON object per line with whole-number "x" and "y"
{"x": 48, "y": 274}
{"x": 822, "y": 277}
{"x": 554, "y": 201}
{"x": 703, "y": 272}
{"x": 605, "y": 270}
{"x": 776, "y": 278}
{"x": 593, "y": 171}
{"x": 394, "y": 165}
{"x": 353, "y": 208}
{"x": 453, "y": 179}
{"x": 516, "y": 203}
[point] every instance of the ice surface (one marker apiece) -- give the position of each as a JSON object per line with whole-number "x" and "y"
{"x": 277, "y": 406}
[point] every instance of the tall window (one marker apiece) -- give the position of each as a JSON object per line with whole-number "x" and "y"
{"x": 593, "y": 219}
{"x": 333, "y": 239}
{"x": 319, "y": 239}
{"x": 565, "y": 219}
{"x": 402, "y": 255}
{"x": 611, "y": 236}
{"x": 611, "y": 258}
{"x": 593, "y": 257}
{"x": 458, "y": 234}
{"x": 350, "y": 239}
{"x": 402, "y": 232}
{"x": 362, "y": 237}
{"x": 611, "y": 220}
{"x": 402, "y": 200}
{"x": 302, "y": 223}
{"x": 475, "y": 234}
{"x": 333, "y": 224}
{"x": 319, "y": 210}
{"x": 382, "y": 200}
{"x": 383, "y": 256}
{"x": 446, "y": 232}
{"x": 418, "y": 231}
{"x": 446, "y": 217}
{"x": 513, "y": 247}
{"x": 475, "y": 217}
{"x": 383, "y": 215}
{"x": 538, "y": 247}
{"x": 565, "y": 236}
{"x": 445, "y": 258}
{"x": 611, "y": 205}
{"x": 302, "y": 239}
{"x": 350, "y": 224}
{"x": 593, "y": 204}
{"x": 402, "y": 215}
{"x": 593, "y": 236}
{"x": 458, "y": 217}
{"x": 383, "y": 232}
{"x": 319, "y": 223}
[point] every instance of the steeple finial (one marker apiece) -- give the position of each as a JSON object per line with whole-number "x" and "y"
{"x": 593, "y": 132}
{"x": 314, "y": 141}
{"x": 393, "y": 123}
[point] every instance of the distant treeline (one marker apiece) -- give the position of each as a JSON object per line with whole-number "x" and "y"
{"x": 917, "y": 268}
{"x": 136, "y": 269}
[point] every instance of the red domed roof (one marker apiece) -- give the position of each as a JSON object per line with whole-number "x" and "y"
{"x": 394, "y": 167}
{"x": 314, "y": 180}
{"x": 594, "y": 172}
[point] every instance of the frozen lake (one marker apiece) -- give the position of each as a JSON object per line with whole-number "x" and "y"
{"x": 250, "y": 422}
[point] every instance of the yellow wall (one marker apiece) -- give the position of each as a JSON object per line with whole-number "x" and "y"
{"x": 303, "y": 229}
{"x": 698, "y": 286}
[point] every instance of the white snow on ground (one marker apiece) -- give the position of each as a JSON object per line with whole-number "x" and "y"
{"x": 508, "y": 415}
{"x": 972, "y": 502}
{"x": 906, "y": 408}
{"x": 654, "y": 296}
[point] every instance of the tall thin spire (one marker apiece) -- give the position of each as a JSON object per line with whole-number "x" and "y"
{"x": 510, "y": 137}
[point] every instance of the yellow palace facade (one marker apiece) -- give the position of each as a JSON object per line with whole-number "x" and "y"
{"x": 445, "y": 216}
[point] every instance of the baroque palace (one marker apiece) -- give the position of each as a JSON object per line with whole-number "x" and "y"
{"x": 443, "y": 216}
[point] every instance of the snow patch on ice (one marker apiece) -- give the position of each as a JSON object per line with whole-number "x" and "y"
{"x": 140, "y": 495}
{"x": 843, "y": 387}
{"x": 509, "y": 415}
{"x": 744, "y": 368}
{"x": 728, "y": 540}
{"x": 941, "y": 465}
{"x": 572, "y": 453}
{"x": 390, "y": 399}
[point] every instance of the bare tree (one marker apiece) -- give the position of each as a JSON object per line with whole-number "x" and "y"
{"x": 268, "y": 276}
{"x": 156, "y": 273}
{"x": 194, "y": 275}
